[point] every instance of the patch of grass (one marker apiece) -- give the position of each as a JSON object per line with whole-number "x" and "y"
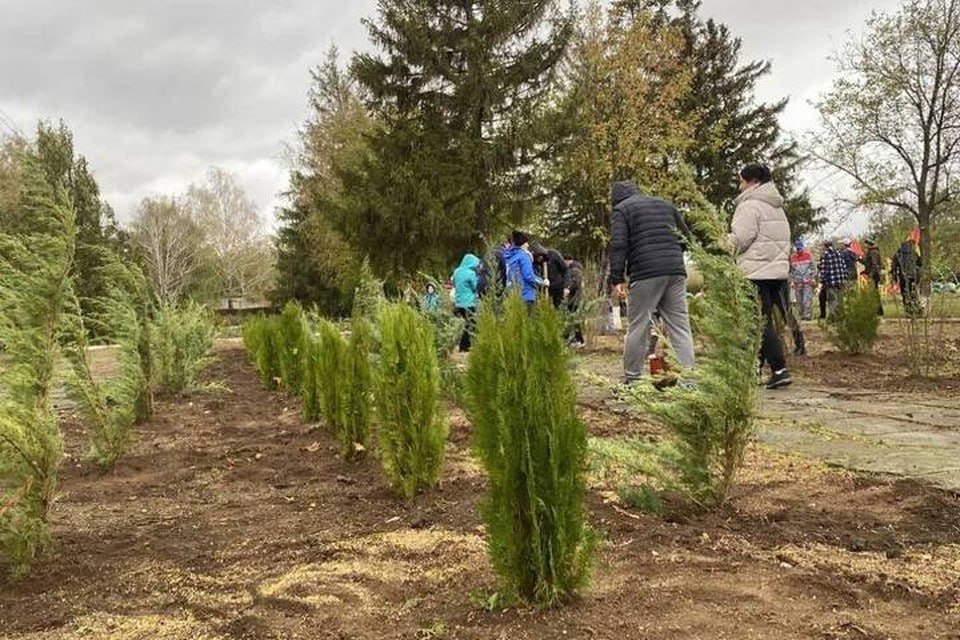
{"x": 644, "y": 497}
{"x": 942, "y": 305}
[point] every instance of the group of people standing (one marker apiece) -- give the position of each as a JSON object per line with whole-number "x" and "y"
{"x": 528, "y": 267}
{"x": 838, "y": 269}
{"x": 648, "y": 236}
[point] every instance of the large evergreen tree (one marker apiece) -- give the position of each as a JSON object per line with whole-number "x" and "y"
{"x": 457, "y": 89}
{"x": 732, "y": 128}
{"x": 621, "y": 117}
{"x": 315, "y": 263}
{"x": 69, "y": 174}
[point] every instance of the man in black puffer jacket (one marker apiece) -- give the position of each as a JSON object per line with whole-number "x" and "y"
{"x": 646, "y": 236}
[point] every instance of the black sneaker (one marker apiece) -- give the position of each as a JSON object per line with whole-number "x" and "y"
{"x": 779, "y": 379}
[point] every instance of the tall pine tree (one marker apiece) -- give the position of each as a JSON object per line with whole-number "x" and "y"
{"x": 69, "y": 174}
{"x": 458, "y": 90}
{"x": 315, "y": 263}
{"x": 733, "y": 127}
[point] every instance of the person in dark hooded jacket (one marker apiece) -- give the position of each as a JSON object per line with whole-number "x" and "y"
{"x": 646, "y": 247}
{"x": 574, "y": 289}
{"x": 905, "y": 269}
{"x": 556, "y": 271}
{"x": 873, "y": 267}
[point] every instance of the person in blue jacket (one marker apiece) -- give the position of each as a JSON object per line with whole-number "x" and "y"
{"x": 465, "y": 283}
{"x": 519, "y": 264}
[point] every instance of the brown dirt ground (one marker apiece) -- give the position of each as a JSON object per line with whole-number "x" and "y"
{"x": 229, "y": 518}
{"x": 886, "y": 367}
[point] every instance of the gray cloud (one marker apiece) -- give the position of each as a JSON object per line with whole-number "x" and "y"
{"x": 157, "y": 91}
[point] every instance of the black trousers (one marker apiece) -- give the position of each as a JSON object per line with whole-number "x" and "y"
{"x": 556, "y": 297}
{"x": 469, "y": 316}
{"x": 909, "y": 293}
{"x": 822, "y": 299}
{"x": 876, "y": 285}
{"x": 770, "y": 293}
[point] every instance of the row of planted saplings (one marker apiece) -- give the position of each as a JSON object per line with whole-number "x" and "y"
{"x": 521, "y": 402}
{"x": 384, "y": 372}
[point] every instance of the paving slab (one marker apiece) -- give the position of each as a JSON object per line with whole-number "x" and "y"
{"x": 899, "y": 434}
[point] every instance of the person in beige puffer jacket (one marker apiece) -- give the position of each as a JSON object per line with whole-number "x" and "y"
{"x": 760, "y": 238}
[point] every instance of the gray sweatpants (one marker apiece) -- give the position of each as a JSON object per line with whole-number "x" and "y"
{"x": 668, "y": 295}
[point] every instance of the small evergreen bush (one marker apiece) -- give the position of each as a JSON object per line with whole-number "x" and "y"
{"x": 260, "y": 341}
{"x": 309, "y": 393}
{"x": 447, "y": 330}
{"x": 855, "y": 327}
{"x": 368, "y": 298}
{"x": 290, "y": 331}
{"x": 34, "y": 287}
{"x": 412, "y": 432}
{"x": 355, "y": 381}
{"x": 712, "y": 420}
{"x": 115, "y": 405}
{"x": 330, "y": 356}
{"x": 522, "y": 403}
{"x": 182, "y": 339}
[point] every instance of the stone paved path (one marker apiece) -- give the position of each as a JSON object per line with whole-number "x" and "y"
{"x": 901, "y": 434}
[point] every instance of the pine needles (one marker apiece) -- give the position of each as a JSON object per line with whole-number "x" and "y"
{"x": 290, "y": 334}
{"x": 712, "y": 420}
{"x": 412, "y": 432}
{"x": 114, "y": 406}
{"x": 855, "y": 327}
{"x": 356, "y": 382}
{"x": 522, "y": 403}
{"x": 34, "y": 286}
{"x": 181, "y": 343}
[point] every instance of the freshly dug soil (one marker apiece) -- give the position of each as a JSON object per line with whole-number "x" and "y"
{"x": 230, "y": 518}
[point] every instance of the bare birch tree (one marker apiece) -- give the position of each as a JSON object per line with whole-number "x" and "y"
{"x": 233, "y": 231}
{"x": 171, "y": 245}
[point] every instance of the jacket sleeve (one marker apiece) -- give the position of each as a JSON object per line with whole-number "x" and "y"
{"x": 473, "y": 281}
{"x": 745, "y": 228}
{"x": 618, "y": 246}
{"x": 528, "y": 275}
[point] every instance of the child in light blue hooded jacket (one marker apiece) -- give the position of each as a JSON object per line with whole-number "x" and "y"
{"x": 465, "y": 282}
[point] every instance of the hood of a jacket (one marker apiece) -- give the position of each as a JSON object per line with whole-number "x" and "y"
{"x": 766, "y": 193}
{"x": 623, "y": 190}
{"x": 470, "y": 261}
{"x": 511, "y": 252}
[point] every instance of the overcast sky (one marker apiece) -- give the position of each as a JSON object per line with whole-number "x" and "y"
{"x": 156, "y": 92}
